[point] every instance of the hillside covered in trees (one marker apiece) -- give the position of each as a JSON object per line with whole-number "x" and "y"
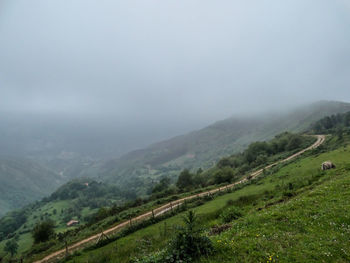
{"x": 205, "y": 147}
{"x": 294, "y": 212}
{"x": 94, "y": 203}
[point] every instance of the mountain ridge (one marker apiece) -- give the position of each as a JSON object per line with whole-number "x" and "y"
{"x": 202, "y": 148}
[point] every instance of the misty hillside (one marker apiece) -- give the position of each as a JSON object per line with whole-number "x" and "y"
{"x": 204, "y": 147}
{"x": 112, "y": 109}
{"x": 99, "y": 204}
{"x": 49, "y": 137}
{"x": 53, "y": 163}
{"x": 24, "y": 181}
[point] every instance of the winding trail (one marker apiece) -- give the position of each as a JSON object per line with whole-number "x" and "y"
{"x": 163, "y": 209}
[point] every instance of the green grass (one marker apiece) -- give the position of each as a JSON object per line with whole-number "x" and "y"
{"x": 25, "y": 240}
{"x": 311, "y": 225}
{"x": 57, "y": 211}
{"x": 107, "y": 222}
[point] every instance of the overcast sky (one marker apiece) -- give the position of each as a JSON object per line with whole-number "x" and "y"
{"x": 185, "y": 59}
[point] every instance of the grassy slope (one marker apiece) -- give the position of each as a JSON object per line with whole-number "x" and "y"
{"x": 46, "y": 210}
{"x": 23, "y": 181}
{"x": 313, "y": 226}
{"x": 204, "y": 147}
{"x": 25, "y": 237}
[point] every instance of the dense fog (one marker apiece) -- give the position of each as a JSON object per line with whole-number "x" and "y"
{"x": 148, "y": 70}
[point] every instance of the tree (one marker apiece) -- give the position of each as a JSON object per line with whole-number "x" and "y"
{"x": 224, "y": 162}
{"x": 185, "y": 179}
{"x": 224, "y": 175}
{"x": 294, "y": 142}
{"x": 339, "y": 132}
{"x": 43, "y": 231}
{"x": 11, "y": 247}
{"x": 162, "y": 185}
{"x": 189, "y": 242}
{"x": 199, "y": 171}
{"x": 261, "y": 159}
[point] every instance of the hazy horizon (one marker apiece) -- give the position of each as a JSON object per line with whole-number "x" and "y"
{"x": 147, "y": 71}
{"x": 188, "y": 61}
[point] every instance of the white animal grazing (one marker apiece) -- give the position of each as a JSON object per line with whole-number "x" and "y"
{"x": 327, "y": 165}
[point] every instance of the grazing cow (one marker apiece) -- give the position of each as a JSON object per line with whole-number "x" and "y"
{"x": 327, "y": 165}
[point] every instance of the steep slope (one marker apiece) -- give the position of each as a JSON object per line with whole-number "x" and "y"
{"x": 80, "y": 199}
{"x": 204, "y": 147}
{"x": 24, "y": 181}
{"x": 295, "y": 213}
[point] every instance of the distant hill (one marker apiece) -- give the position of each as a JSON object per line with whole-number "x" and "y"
{"x": 23, "y": 181}
{"x": 81, "y": 199}
{"x": 26, "y": 180}
{"x": 292, "y": 213}
{"x": 204, "y": 147}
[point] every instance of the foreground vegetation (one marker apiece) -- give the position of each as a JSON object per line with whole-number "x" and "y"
{"x": 222, "y": 214}
{"x": 294, "y": 213}
{"x": 87, "y": 201}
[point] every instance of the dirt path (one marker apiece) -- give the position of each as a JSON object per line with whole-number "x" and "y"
{"x": 161, "y": 210}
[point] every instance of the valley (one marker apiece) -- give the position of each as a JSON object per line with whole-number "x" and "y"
{"x": 175, "y": 203}
{"x": 174, "y": 131}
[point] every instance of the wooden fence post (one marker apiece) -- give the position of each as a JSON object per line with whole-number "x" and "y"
{"x": 66, "y": 245}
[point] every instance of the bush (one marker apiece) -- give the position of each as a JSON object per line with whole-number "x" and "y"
{"x": 188, "y": 245}
{"x": 288, "y": 194}
{"x": 11, "y": 247}
{"x": 43, "y": 231}
{"x": 41, "y": 247}
{"x": 245, "y": 200}
{"x": 229, "y": 202}
{"x": 100, "y": 258}
{"x": 185, "y": 180}
{"x": 230, "y": 214}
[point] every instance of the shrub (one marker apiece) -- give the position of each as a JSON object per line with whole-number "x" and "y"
{"x": 230, "y": 214}
{"x": 43, "y": 231}
{"x": 245, "y": 200}
{"x": 187, "y": 245}
{"x": 288, "y": 193}
{"x": 41, "y": 247}
{"x": 11, "y": 247}
{"x": 100, "y": 258}
{"x": 229, "y": 202}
